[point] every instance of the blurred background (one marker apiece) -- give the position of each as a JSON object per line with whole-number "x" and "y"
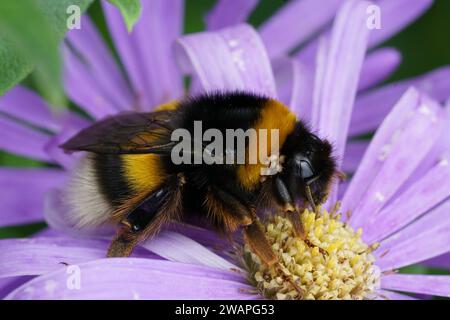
{"x": 425, "y": 45}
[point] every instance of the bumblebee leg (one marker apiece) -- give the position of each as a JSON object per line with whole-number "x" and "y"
{"x": 293, "y": 213}
{"x": 255, "y": 237}
{"x": 123, "y": 244}
{"x": 159, "y": 208}
{"x": 288, "y": 207}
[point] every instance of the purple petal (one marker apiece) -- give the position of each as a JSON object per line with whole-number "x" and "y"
{"x": 440, "y": 262}
{"x": 100, "y": 64}
{"x": 71, "y": 125}
{"x": 300, "y": 85}
{"x": 440, "y": 153}
{"x": 353, "y": 154}
{"x": 426, "y": 284}
{"x": 337, "y": 75}
{"x": 83, "y": 89}
{"x": 206, "y": 237}
{"x": 372, "y": 73}
{"x": 336, "y": 87}
{"x": 396, "y": 15}
{"x": 22, "y": 140}
{"x": 147, "y": 52}
{"x": 29, "y": 257}
{"x": 371, "y": 164}
{"x": 378, "y": 66}
{"x": 7, "y": 285}
{"x": 228, "y": 12}
{"x": 38, "y": 256}
{"x": 343, "y": 186}
{"x": 24, "y": 104}
{"x": 426, "y": 238}
{"x": 231, "y": 59}
{"x": 176, "y": 247}
{"x": 132, "y": 278}
{"x": 314, "y": 16}
{"x": 398, "y": 158}
{"x": 372, "y": 107}
{"x": 420, "y": 197}
{"x": 49, "y": 233}
{"x": 23, "y": 192}
{"x": 293, "y": 83}
{"x": 389, "y": 295}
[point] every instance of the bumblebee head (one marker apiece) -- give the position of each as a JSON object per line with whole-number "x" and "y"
{"x": 309, "y": 164}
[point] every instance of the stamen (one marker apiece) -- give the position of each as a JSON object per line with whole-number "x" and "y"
{"x": 346, "y": 271}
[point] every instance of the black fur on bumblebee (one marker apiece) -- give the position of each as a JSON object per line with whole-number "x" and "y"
{"x": 128, "y": 177}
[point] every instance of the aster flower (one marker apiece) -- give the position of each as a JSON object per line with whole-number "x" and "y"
{"x": 398, "y": 195}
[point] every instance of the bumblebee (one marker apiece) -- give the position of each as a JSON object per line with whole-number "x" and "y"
{"x": 128, "y": 177}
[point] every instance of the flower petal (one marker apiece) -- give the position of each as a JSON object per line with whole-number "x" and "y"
{"x": 371, "y": 164}
{"x": 99, "y": 64}
{"x": 378, "y": 66}
{"x": 398, "y": 158}
{"x": 24, "y": 104}
{"x": 426, "y": 238}
{"x": 353, "y": 154}
{"x": 23, "y": 140}
{"x": 372, "y": 107}
{"x": 231, "y": 59}
{"x": 440, "y": 262}
{"x": 133, "y": 278}
{"x": 420, "y": 197}
{"x": 82, "y": 89}
{"x": 337, "y": 81}
{"x": 337, "y": 87}
{"x": 7, "y": 285}
{"x": 426, "y": 284}
{"x": 206, "y": 237}
{"x": 23, "y": 192}
{"x": 314, "y": 16}
{"x": 70, "y": 126}
{"x": 389, "y": 295}
{"x": 147, "y": 52}
{"x": 228, "y": 12}
{"x": 396, "y": 15}
{"x": 293, "y": 83}
{"x": 176, "y": 247}
{"x": 20, "y": 257}
{"x": 439, "y": 154}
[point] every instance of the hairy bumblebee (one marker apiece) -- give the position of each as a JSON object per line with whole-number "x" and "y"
{"x": 129, "y": 178}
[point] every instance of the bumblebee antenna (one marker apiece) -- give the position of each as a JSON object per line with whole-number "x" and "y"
{"x": 310, "y": 198}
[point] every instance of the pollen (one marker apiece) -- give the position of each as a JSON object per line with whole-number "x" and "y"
{"x": 335, "y": 264}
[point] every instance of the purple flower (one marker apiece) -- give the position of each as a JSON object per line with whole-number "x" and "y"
{"x": 399, "y": 193}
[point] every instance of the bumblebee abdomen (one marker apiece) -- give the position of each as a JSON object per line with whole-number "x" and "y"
{"x": 143, "y": 172}
{"x": 104, "y": 184}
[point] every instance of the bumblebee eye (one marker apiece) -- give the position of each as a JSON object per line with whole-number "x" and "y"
{"x": 303, "y": 168}
{"x": 307, "y": 170}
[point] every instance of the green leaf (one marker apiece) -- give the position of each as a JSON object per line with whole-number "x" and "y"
{"x": 130, "y": 9}
{"x": 30, "y": 32}
{"x": 21, "y": 231}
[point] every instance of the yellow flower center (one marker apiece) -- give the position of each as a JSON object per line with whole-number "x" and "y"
{"x": 338, "y": 264}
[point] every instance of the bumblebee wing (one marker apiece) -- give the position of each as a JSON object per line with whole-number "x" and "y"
{"x": 127, "y": 133}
